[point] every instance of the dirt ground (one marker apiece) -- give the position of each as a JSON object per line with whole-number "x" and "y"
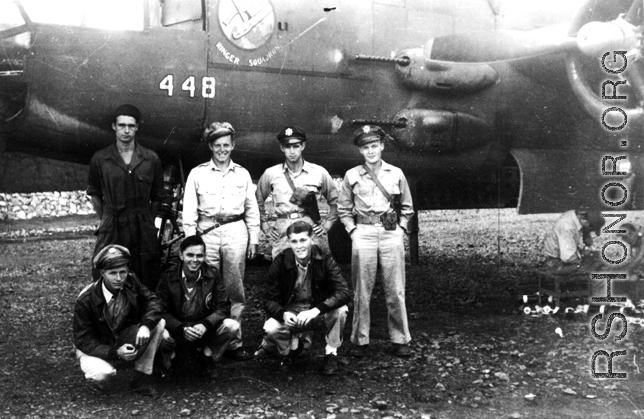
{"x": 475, "y": 353}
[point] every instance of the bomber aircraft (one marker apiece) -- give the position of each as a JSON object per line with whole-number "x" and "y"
{"x": 465, "y": 88}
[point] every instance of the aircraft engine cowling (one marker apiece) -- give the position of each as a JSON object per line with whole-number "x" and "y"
{"x": 443, "y": 76}
{"x": 439, "y": 130}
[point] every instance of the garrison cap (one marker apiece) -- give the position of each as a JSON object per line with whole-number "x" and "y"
{"x": 368, "y": 134}
{"x": 111, "y": 256}
{"x": 596, "y": 220}
{"x": 128, "y": 110}
{"x": 291, "y": 134}
{"x": 218, "y": 130}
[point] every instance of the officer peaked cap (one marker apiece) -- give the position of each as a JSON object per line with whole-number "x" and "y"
{"x": 291, "y": 134}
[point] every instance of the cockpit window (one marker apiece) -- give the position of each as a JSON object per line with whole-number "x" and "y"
{"x": 112, "y": 14}
{"x": 9, "y": 15}
{"x": 182, "y": 14}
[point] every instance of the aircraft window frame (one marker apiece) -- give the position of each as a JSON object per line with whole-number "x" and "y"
{"x": 113, "y": 15}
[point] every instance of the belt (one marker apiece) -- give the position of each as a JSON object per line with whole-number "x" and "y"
{"x": 292, "y": 215}
{"x": 222, "y": 220}
{"x": 369, "y": 219}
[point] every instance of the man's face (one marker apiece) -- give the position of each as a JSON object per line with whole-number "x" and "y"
{"x": 372, "y": 152}
{"x": 301, "y": 245}
{"x": 114, "y": 278}
{"x": 221, "y": 148}
{"x": 293, "y": 152}
{"x": 193, "y": 258}
{"x": 125, "y": 127}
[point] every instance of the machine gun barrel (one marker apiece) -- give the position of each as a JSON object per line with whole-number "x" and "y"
{"x": 403, "y": 61}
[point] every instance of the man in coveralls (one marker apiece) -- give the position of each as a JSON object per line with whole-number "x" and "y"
{"x": 220, "y": 194}
{"x": 306, "y": 176}
{"x": 377, "y": 238}
{"x": 126, "y": 187}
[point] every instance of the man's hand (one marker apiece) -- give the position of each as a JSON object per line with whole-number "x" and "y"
{"x": 127, "y": 352}
{"x": 252, "y": 251}
{"x": 290, "y": 319}
{"x": 269, "y": 232}
{"x": 305, "y": 317}
{"x": 142, "y": 336}
{"x": 191, "y": 333}
{"x": 319, "y": 229}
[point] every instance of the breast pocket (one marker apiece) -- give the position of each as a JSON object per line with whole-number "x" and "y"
{"x": 234, "y": 196}
{"x": 208, "y": 195}
{"x": 392, "y": 188}
{"x": 361, "y": 190}
{"x": 282, "y": 194}
{"x": 143, "y": 185}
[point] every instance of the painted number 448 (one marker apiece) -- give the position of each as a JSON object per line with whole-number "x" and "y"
{"x": 189, "y": 85}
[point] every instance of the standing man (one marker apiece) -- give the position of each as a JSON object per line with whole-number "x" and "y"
{"x": 196, "y": 307}
{"x": 366, "y": 208}
{"x": 220, "y": 194}
{"x": 304, "y": 287}
{"x": 295, "y": 187}
{"x": 118, "y": 319}
{"x": 126, "y": 187}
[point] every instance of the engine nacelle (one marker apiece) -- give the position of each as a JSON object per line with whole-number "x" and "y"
{"x": 433, "y": 130}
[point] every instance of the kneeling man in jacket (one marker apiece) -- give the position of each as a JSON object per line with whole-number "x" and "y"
{"x": 117, "y": 320}
{"x": 305, "y": 287}
{"x": 196, "y": 306}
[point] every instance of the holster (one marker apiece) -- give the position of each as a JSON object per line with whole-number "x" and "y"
{"x": 389, "y": 220}
{"x": 308, "y": 202}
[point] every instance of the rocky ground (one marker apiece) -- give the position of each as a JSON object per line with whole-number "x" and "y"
{"x": 475, "y": 353}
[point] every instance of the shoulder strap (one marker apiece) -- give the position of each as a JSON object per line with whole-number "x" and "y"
{"x": 287, "y": 175}
{"x": 375, "y": 179}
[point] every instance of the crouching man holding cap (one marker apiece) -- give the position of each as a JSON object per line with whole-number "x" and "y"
{"x": 305, "y": 289}
{"x": 366, "y": 206}
{"x": 196, "y": 306}
{"x": 117, "y": 320}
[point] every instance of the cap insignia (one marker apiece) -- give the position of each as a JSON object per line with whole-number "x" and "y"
{"x": 288, "y": 132}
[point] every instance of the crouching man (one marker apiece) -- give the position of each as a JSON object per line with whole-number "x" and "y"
{"x": 196, "y": 307}
{"x": 117, "y": 321}
{"x": 305, "y": 288}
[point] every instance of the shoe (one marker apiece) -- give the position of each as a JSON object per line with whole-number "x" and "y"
{"x": 141, "y": 386}
{"x": 239, "y": 354}
{"x": 211, "y": 371}
{"x": 330, "y": 365}
{"x": 402, "y": 350}
{"x": 358, "y": 351}
{"x": 97, "y": 388}
{"x": 262, "y": 353}
{"x": 287, "y": 361}
{"x": 301, "y": 352}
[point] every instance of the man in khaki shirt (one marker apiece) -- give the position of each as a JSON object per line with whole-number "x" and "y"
{"x": 377, "y": 238}
{"x": 306, "y": 176}
{"x": 220, "y": 194}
